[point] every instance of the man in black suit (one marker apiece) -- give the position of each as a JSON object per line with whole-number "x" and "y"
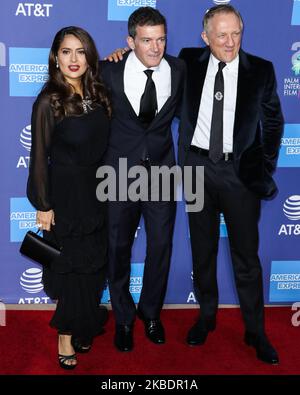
{"x": 143, "y": 137}
{"x": 231, "y": 123}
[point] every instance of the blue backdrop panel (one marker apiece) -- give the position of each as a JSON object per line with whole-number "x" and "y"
{"x": 272, "y": 30}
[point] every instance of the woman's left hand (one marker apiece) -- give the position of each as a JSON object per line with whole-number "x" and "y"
{"x": 44, "y": 219}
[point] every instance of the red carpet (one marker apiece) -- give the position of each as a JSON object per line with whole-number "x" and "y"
{"x": 28, "y": 346}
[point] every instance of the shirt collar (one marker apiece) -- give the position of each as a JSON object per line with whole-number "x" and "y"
{"x": 231, "y": 66}
{"x": 138, "y": 65}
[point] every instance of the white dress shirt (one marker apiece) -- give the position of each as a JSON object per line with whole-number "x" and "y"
{"x": 135, "y": 81}
{"x": 202, "y": 131}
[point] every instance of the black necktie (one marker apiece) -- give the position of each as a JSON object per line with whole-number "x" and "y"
{"x": 148, "y": 104}
{"x": 216, "y": 130}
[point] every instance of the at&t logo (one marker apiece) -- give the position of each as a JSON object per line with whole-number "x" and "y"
{"x": 34, "y": 9}
{"x": 31, "y": 282}
{"x": 25, "y": 137}
{"x": 291, "y": 209}
{"x": 191, "y": 298}
{"x": 25, "y": 140}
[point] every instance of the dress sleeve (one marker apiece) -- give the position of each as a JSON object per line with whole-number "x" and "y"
{"x": 42, "y": 126}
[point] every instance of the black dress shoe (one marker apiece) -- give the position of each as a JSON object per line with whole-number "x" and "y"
{"x": 199, "y": 331}
{"x": 154, "y": 329}
{"x": 264, "y": 350}
{"x": 124, "y": 337}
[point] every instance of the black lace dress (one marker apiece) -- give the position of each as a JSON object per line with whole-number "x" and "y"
{"x": 65, "y": 156}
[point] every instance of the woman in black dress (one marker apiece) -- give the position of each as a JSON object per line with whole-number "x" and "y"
{"x": 70, "y": 127}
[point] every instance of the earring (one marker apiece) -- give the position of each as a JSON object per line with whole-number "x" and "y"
{"x": 57, "y": 66}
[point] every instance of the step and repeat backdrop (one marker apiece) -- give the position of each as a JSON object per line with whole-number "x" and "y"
{"x": 272, "y": 31}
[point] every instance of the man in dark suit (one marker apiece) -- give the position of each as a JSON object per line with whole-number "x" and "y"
{"x": 145, "y": 77}
{"x": 231, "y": 123}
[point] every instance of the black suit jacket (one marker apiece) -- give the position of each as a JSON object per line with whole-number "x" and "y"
{"x": 258, "y": 119}
{"x": 128, "y": 136}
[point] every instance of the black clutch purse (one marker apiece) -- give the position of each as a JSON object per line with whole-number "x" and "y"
{"x": 38, "y": 249}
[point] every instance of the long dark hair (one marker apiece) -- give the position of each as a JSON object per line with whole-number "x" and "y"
{"x": 63, "y": 99}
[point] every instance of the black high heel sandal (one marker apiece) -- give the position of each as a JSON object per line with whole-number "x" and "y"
{"x": 62, "y": 359}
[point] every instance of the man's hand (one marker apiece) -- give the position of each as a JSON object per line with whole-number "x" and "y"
{"x": 117, "y": 55}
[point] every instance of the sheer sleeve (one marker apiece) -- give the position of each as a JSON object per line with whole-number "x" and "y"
{"x": 42, "y": 126}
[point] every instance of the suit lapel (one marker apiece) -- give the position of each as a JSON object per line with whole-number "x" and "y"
{"x": 175, "y": 80}
{"x": 243, "y": 89}
{"x": 195, "y": 84}
{"x": 118, "y": 83}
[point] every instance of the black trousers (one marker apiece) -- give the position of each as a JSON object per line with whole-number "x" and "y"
{"x": 225, "y": 193}
{"x": 123, "y": 220}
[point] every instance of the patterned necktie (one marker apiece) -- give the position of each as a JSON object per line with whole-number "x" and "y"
{"x": 216, "y": 130}
{"x": 148, "y": 104}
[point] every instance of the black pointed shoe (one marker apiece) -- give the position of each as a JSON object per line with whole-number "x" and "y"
{"x": 124, "y": 337}
{"x": 154, "y": 329}
{"x": 264, "y": 350}
{"x": 199, "y": 331}
{"x": 155, "y": 332}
